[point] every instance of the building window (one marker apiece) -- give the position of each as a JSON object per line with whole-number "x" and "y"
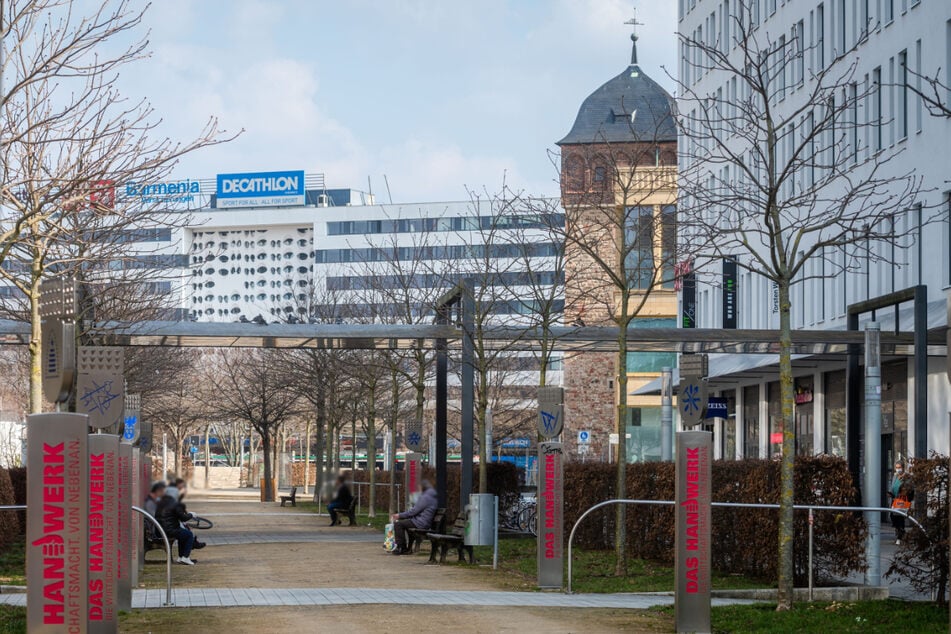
{"x": 639, "y": 246}
{"x": 820, "y": 36}
{"x": 902, "y": 114}
{"x": 877, "y": 108}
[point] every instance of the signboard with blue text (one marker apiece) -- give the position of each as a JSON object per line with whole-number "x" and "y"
{"x": 260, "y": 189}
{"x": 717, "y": 407}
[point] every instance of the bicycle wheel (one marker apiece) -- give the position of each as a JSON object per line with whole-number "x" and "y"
{"x": 524, "y": 517}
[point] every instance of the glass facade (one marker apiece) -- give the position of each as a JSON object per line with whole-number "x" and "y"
{"x": 644, "y": 431}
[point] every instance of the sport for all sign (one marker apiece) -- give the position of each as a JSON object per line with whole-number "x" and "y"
{"x": 692, "y": 553}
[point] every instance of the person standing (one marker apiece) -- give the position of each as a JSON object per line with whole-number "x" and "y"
{"x": 902, "y": 497}
{"x": 342, "y": 500}
{"x": 420, "y": 516}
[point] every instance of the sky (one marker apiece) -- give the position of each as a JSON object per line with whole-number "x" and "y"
{"x": 437, "y": 96}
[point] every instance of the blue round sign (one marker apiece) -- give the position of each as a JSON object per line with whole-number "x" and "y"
{"x": 128, "y": 430}
{"x": 194, "y": 450}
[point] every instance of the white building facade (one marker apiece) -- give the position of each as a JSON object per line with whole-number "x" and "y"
{"x": 892, "y": 44}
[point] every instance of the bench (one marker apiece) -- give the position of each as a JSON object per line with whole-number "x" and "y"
{"x": 292, "y": 498}
{"x": 350, "y": 512}
{"x": 415, "y": 536}
{"x": 454, "y": 539}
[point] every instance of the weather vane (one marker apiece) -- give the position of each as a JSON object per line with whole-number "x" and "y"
{"x": 634, "y": 24}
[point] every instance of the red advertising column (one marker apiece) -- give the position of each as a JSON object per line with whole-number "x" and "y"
{"x": 103, "y": 541}
{"x": 57, "y": 523}
{"x": 124, "y": 529}
{"x": 413, "y": 472}
{"x": 550, "y": 511}
{"x": 692, "y": 553}
{"x": 136, "y": 534}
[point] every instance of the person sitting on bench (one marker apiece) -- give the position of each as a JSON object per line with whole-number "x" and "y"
{"x": 171, "y": 515}
{"x": 341, "y": 501}
{"x": 156, "y": 493}
{"x": 420, "y": 516}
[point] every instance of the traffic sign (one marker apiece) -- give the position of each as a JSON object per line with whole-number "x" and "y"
{"x": 194, "y": 449}
{"x": 692, "y": 400}
{"x": 584, "y": 437}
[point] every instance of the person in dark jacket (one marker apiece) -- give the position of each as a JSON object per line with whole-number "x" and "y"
{"x": 156, "y": 493}
{"x": 420, "y": 516}
{"x": 342, "y": 500}
{"x": 171, "y": 515}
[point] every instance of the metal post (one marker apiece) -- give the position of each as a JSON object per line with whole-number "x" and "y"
{"x": 165, "y": 455}
{"x": 871, "y": 493}
{"x": 810, "y": 554}
{"x": 467, "y": 360}
{"x": 666, "y": 414}
{"x": 921, "y": 372}
{"x": 853, "y": 391}
{"x": 442, "y": 392}
{"x": 495, "y": 551}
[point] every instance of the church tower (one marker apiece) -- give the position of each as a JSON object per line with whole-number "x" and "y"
{"x": 619, "y": 192}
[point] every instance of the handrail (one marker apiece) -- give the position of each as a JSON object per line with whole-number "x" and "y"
{"x": 168, "y": 554}
{"x": 168, "y": 546}
{"x": 809, "y": 507}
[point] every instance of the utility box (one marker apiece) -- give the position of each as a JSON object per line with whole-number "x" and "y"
{"x": 480, "y": 519}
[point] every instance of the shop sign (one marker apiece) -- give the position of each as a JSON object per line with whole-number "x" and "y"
{"x": 550, "y": 515}
{"x": 260, "y": 189}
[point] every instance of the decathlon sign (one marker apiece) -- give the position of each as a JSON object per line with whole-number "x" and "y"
{"x": 261, "y": 189}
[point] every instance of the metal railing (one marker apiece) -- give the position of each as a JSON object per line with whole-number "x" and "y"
{"x": 168, "y": 546}
{"x": 810, "y": 507}
{"x": 168, "y": 554}
{"x": 379, "y": 484}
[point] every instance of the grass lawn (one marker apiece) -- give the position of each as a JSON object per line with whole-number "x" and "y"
{"x": 864, "y": 616}
{"x": 593, "y": 570}
{"x": 13, "y": 564}
{"x": 12, "y": 620}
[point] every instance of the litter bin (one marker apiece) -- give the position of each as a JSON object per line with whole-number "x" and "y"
{"x": 480, "y": 520}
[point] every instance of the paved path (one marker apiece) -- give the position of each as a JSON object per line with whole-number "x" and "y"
{"x": 251, "y": 597}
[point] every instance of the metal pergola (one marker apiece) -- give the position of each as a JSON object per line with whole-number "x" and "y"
{"x": 455, "y": 334}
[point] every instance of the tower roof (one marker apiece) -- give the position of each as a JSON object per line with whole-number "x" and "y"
{"x": 632, "y": 107}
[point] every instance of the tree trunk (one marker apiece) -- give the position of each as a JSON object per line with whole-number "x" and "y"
{"x": 321, "y": 431}
{"x": 207, "y": 454}
{"x": 620, "y": 529}
{"x": 371, "y": 454}
{"x": 392, "y": 446}
{"x": 306, "y": 446}
{"x": 482, "y": 406}
{"x": 785, "y": 595}
{"x": 36, "y": 353}
{"x": 335, "y": 452}
{"x": 268, "y": 495}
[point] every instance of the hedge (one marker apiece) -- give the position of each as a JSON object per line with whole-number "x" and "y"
{"x": 923, "y": 555}
{"x": 18, "y": 480}
{"x": 745, "y": 541}
{"x": 9, "y": 521}
{"x": 502, "y": 481}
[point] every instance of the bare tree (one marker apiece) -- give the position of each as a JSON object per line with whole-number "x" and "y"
{"x": 68, "y": 140}
{"x": 619, "y": 236}
{"x": 254, "y": 386}
{"x": 780, "y": 184}
{"x": 167, "y": 380}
